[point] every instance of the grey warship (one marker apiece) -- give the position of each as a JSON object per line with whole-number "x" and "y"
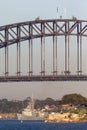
{"x": 29, "y": 113}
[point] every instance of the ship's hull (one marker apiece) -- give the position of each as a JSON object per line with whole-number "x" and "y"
{"x": 23, "y": 117}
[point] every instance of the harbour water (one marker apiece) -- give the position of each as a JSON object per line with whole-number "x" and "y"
{"x": 39, "y": 125}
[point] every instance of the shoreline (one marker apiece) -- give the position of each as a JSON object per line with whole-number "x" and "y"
{"x": 65, "y": 117}
{"x": 56, "y": 117}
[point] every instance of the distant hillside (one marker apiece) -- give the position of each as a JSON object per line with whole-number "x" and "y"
{"x": 17, "y": 106}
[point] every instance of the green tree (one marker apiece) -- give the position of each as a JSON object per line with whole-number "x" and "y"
{"x": 74, "y": 99}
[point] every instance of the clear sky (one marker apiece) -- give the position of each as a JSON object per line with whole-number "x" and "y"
{"x": 12, "y": 11}
{"x": 22, "y": 10}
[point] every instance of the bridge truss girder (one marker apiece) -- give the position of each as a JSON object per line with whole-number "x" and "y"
{"x": 19, "y": 32}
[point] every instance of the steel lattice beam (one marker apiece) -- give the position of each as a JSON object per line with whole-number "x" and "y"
{"x": 19, "y": 32}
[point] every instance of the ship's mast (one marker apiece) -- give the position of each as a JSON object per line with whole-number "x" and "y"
{"x": 32, "y": 104}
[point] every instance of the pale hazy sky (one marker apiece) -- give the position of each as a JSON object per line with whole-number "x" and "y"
{"x": 12, "y": 11}
{"x": 41, "y": 90}
{"x": 22, "y": 10}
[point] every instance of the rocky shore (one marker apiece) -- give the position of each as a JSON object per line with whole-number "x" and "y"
{"x": 65, "y": 117}
{"x": 8, "y": 116}
{"x": 53, "y": 117}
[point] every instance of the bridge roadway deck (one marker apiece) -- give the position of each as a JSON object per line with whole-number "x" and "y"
{"x": 43, "y": 78}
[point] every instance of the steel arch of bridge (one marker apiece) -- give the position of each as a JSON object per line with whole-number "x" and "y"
{"x": 19, "y": 32}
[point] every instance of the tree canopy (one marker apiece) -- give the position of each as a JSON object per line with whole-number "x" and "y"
{"x": 74, "y": 99}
